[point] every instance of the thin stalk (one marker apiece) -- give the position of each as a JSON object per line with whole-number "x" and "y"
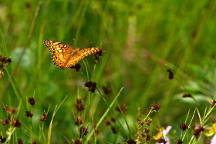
{"x": 13, "y": 85}
{"x": 49, "y": 139}
{"x": 104, "y": 115}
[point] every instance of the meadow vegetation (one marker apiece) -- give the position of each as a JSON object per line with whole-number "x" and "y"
{"x": 155, "y": 81}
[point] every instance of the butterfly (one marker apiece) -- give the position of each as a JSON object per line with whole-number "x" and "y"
{"x": 65, "y": 56}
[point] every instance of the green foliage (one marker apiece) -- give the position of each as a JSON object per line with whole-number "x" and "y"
{"x": 141, "y": 41}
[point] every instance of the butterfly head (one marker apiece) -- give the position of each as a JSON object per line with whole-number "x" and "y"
{"x": 48, "y": 42}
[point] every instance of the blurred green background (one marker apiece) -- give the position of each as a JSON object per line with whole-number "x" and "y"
{"x": 141, "y": 39}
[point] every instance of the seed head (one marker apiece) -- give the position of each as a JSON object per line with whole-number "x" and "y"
{"x": 106, "y": 90}
{"x": 180, "y": 141}
{"x": 213, "y": 103}
{"x": 83, "y": 131}
{"x": 9, "y": 110}
{"x": 122, "y": 108}
{"x": 148, "y": 137}
{"x": 148, "y": 122}
{"x": 31, "y": 101}
{"x": 76, "y": 67}
{"x": 19, "y": 141}
{"x": 16, "y": 123}
{"x": 161, "y": 140}
{"x": 77, "y": 141}
{"x": 91, "y": 86}
{"x": 29, "y": 114}
{"x": 107, "y": 122}
{"x": 44, "y": 117}
{"x": 187, "y": 95}
{"x": 171, "y": 74}
{"x": 131, "y": 141}
{"x": 113, "y": 119}
{"x": 78, "y": 100}
{"x": 146, "y": 130}
{"x": 155, "y": 107}
{"x": 197, "y": 130}
{"x": 183, "y": 126}
{"x": 5, "y": 122}
{"x": 2, "y": 140}
{"x": 113, "y": 129}
{"x": 78, "y": 121}
{"x": 79, "y": 107}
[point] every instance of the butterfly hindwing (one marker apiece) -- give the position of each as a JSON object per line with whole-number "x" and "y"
{"x": 80, "y": 55}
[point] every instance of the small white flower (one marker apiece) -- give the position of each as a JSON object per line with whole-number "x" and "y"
{"x": 166, "y": 131}
{"x": 166, "y": 138}
{"x": 213, "y": 140}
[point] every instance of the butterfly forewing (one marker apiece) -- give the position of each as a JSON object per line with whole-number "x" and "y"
{"x": 60, "y": 52}
{"x": 64, "y": 56}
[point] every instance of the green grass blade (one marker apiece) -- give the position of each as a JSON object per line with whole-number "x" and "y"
{"x": 104, "y": 115}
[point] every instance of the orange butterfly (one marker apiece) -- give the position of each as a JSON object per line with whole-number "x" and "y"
{"x": 65, "y": 56}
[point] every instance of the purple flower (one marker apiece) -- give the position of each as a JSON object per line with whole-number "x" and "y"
{"x": 213, "y": 140}
{"x": 166, "y": 131}
{"x": 166, "y": 138}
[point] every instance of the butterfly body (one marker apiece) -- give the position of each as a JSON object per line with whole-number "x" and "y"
{"x": 65, "y": 56}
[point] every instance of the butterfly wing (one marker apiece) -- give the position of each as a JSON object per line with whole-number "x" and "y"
{"x": 78, "y": 55}
{"x": 60, "y": 52}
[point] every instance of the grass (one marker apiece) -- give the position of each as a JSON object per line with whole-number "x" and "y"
{"x": 141, "y": 40}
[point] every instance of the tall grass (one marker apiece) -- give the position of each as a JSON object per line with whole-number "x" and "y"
{"x": 141, "y": 40}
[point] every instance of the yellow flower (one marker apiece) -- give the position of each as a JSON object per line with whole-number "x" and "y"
{"x": 212, "y": 130}
{"x": 159, "y": 134}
